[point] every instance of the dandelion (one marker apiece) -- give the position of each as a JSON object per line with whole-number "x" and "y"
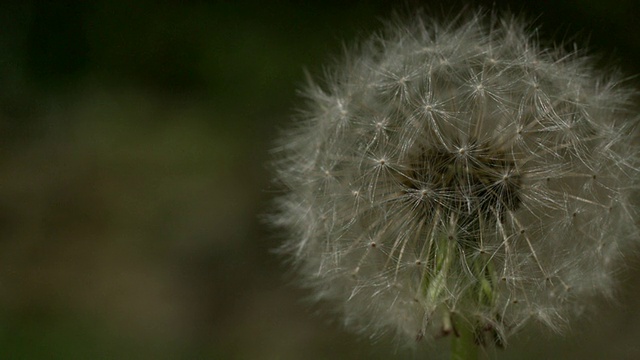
{"x": 459, "y": 180}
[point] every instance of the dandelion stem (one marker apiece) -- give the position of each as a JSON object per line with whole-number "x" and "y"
{"x": 463, "y": 344}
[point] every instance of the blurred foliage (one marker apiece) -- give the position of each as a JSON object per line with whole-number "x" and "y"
{"x": 133, "y": 139}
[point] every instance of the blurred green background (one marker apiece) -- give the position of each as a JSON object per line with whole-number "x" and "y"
{"x": 133, "y": 143}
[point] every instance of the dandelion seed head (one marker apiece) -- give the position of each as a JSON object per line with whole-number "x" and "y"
{"x": 459, "y": 169}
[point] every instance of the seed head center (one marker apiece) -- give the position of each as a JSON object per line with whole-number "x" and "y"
{"x": 482, "y": 184}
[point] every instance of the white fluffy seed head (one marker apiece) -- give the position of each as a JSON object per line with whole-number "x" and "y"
{"x": 459, "y": 170}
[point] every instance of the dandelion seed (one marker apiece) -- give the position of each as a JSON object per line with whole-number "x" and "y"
{"x": 450, "y": 177}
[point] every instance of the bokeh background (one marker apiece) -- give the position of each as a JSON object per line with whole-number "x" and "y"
{"x": 133, "y": 143}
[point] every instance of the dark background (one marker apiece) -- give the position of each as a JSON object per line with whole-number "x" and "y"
{"x": 133, "y": 143}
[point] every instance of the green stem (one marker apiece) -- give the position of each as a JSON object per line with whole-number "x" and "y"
{"x": 463, "y": 344}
